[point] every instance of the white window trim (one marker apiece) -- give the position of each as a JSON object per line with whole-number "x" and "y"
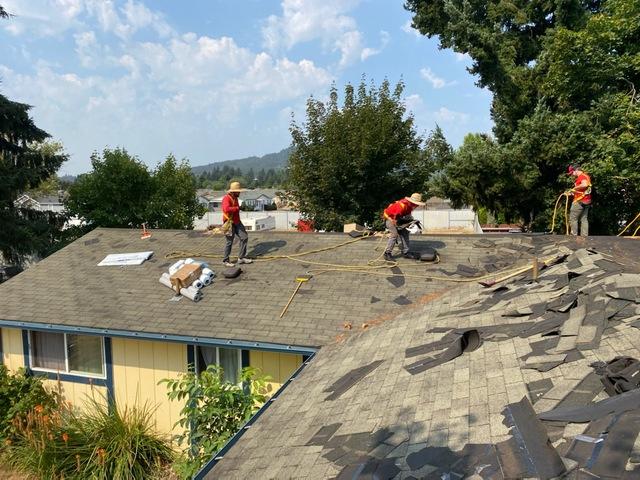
{"x": 197, "y": 358}
{"x": 66, "y": 360}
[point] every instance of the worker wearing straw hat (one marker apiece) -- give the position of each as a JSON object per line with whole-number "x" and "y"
{"x": 392, "y": 213}
{"x": 233, "y": 226}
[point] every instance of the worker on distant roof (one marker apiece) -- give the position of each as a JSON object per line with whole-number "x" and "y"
{"x": 232, "y": 226}
{"x": 394, "y": 212}
{"x": 579, "y": 216}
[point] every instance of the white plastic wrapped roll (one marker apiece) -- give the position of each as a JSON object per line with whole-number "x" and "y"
{"x": 198, "y": 284}
{"x": 205, "y": 279}
{"x": 176, "y": 266}
{"x": 191, "y": 293}
{"x": 188, "y": 261}
{"x": 208, "y": 272}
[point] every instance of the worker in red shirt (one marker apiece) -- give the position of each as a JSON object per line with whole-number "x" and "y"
{"x": 579, "y": 215}
{"x": 233, "y": 226}
{"x": 392, "y": 214}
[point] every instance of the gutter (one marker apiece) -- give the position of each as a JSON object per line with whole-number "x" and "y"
{"x": 107, "y": 332}
{"x": 234, "y": 439}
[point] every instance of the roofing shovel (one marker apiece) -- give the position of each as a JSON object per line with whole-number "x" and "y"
{"x": 300, "y": 279}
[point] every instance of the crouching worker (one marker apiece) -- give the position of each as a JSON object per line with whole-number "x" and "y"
{"x": 392, "y": 214}
{"x": 232, "y": 226}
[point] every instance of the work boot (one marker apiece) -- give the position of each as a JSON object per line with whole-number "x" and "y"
{"x": 388, "y": 257}
{"x": 227, "y": 263}
{"x": 245, "y": 260}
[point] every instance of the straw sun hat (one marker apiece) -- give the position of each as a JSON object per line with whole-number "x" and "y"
{"x": 235, "y": 187}
{"x": 416, "y": 199}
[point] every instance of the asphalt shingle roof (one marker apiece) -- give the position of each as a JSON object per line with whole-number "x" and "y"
{"x": 68, "y": 288}
{"x": 356, "y": 411}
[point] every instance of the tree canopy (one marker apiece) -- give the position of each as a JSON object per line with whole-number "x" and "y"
{"x": 564, "y": 77}
{"x": 350, "y": 161}
{"x": 120, "y": 191}
{"x": 25, "y": 161}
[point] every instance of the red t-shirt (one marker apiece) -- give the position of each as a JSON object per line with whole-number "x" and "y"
{"x": 583, "y": 194}
{"x": 399, "y": 209}
{"x": 230, "y": 209}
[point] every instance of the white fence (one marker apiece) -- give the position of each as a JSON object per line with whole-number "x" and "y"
{"x": 433, "y": 221}
{"x": 285, "y": 219}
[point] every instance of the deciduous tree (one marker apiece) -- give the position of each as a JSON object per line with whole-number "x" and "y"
{"x": 349, "y": 161}
{"x": 120, "y": 191}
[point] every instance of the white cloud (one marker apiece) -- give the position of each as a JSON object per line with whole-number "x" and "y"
{"x": 462, "y": 57}
{"x": 413, "y": 102}
{"x": 443, "y": 114}
{"x": 324, "y": 20}
{"x": 436, "y": 82}
{"x": 407, "y": 28}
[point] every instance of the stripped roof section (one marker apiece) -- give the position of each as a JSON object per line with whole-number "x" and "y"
{"x": 452, "y": 419}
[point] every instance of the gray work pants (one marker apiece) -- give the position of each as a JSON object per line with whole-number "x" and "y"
{"x": 579, "y": 216}
{"x": 237, "y": 230}
{"x": 402, "y": 234}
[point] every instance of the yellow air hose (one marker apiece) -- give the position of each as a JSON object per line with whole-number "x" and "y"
{"x": 370, "y": 268}
{"x": 566, "y": 212}
{"x": 629, "y": 224}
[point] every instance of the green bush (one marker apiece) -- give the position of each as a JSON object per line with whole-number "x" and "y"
{"x": 214, "y": 411}
{"x": 97, "y": 443}
{"x": 20, "y": 394}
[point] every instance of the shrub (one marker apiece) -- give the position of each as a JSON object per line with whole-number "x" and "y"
{"x": 214, "y": 411}
{"x": 20, "y": 394}
{"x": 97, "y": 443}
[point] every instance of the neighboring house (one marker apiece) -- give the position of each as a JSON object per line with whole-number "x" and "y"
{"x": 257, "y": 198}
{"x": 47, "y": 203}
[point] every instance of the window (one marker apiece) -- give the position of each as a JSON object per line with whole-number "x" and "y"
{"x": 230, "y": 359}
{"x": 67, "y": 353}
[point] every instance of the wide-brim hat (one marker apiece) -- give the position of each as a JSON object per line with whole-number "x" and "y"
{"x": 235, "y": 187}
{"x": 416, "y": 199}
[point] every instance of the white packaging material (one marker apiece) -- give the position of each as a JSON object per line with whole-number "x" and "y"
{"x": 120, "y": 259}
{"x": 188, "y": 261}
{"x": 190, "y": 293}
{"x": 205, "y": 279}
{"x": 197, "y": 284}
{"x": 175, "y": 267}
{"x": 208, "y": 272}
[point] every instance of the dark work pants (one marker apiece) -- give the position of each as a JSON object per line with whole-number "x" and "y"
{"x": 237, "y": 230}
{"x": 394, "y": 234}
{"x": 579, "y": 218}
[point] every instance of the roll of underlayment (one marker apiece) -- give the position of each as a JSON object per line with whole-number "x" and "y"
{"x": 198, "y": 284}
{"x": 205, "y": 279}
{"x": 191, "y": 293}
{"x": 188, "y": 261}
{"x": 176, "y": 266}
{"x": 208, "y": 272}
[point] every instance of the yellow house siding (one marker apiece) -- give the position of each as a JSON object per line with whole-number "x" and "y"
{"x": 279, "y": 366}
{"x": 78, "y": 394}
{"x": 12, "y": 352}
{"x": 138, "y": 366}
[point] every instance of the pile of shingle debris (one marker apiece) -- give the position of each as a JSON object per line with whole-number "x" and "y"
{"x": 592, "y": 429}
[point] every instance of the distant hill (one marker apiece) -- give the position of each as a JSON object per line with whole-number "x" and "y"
{"x": 68, "y": 178}
{"x": 277, "y": 161}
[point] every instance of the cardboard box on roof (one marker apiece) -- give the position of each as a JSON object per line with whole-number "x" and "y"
{"x": 184, "y": 277}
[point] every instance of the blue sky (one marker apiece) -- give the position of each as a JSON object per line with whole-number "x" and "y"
{"x": 213, "y": 80}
